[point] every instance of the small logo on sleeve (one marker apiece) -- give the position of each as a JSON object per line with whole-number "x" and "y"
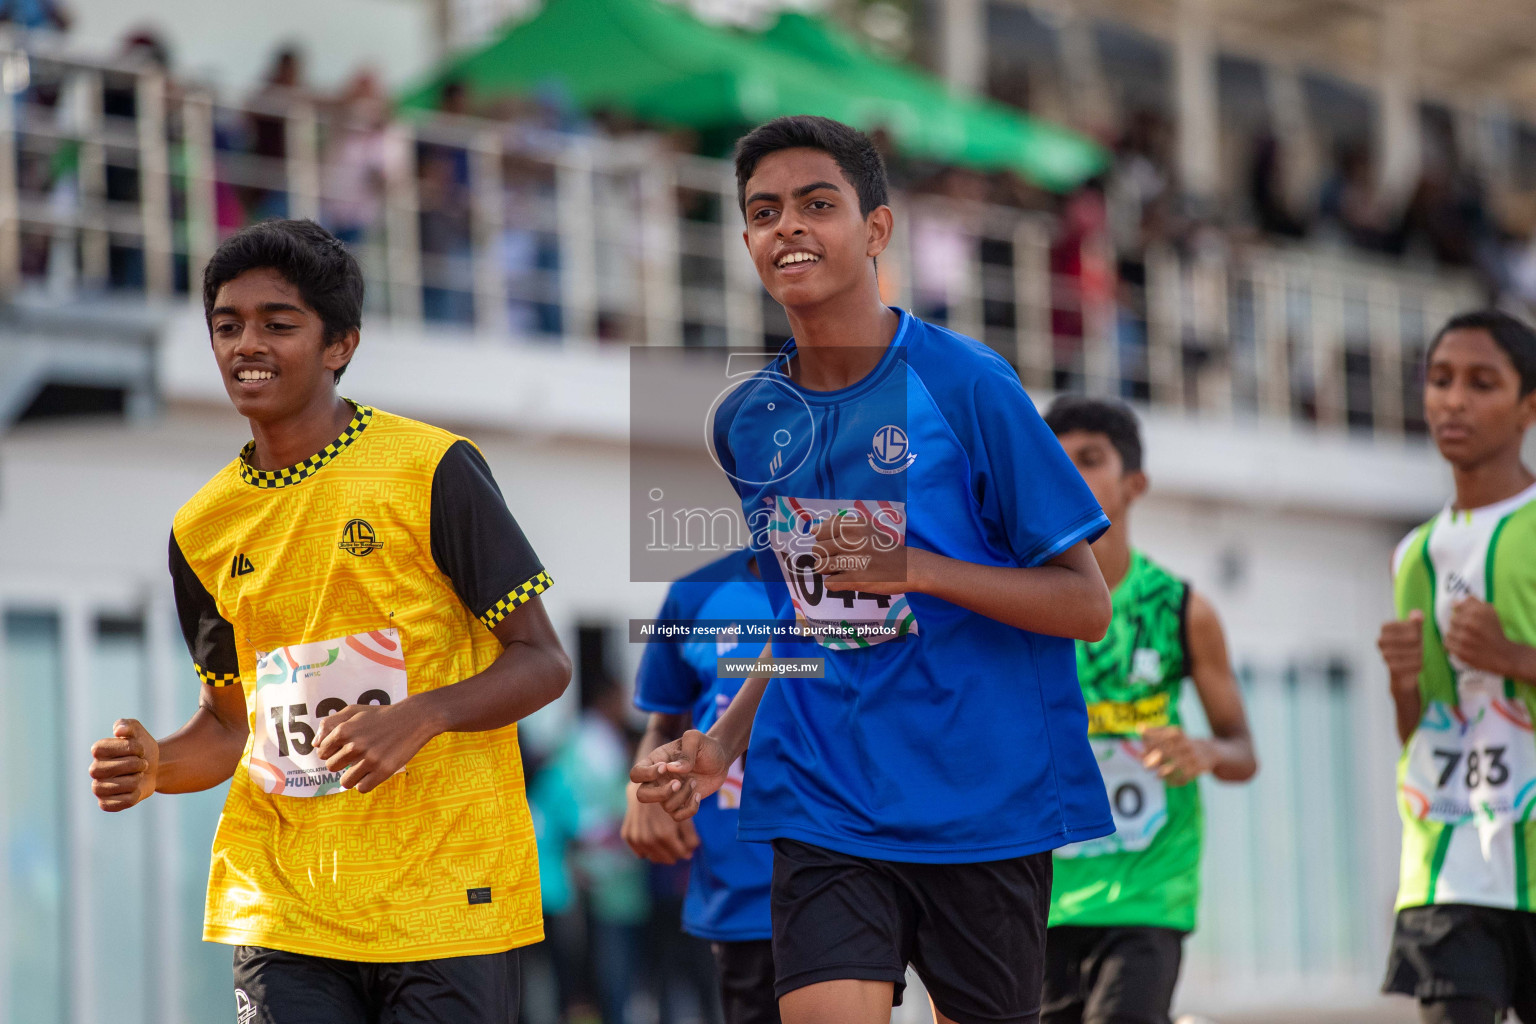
{"x": 477, "y": 896}
{"x": 357, "y": 538}
{"x": 240, "y": 566}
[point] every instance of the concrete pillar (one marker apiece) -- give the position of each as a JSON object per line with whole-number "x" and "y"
{"x": 1195, "y": 93}
{"x": 1088, "y": 94}
{"x": 1398, "y": 148}
{"x": 963, "y": 33}
{"x": 1292, "y": 125}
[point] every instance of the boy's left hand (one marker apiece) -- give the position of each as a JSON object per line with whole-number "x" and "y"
{"x": 1476, "y": 638}
{"x": 1178, "y": 758}
{"x": 370, "y": 742}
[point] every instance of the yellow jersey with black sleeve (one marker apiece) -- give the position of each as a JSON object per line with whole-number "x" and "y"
{"x": 373, "y": 570}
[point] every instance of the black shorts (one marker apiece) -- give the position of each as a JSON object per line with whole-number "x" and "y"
{"x": 1124, "y": 975}
{"x": 745, "y": 970}
{"x": 274, "y": 987}
{"x": 1454, "y": 950}
{"x": 975, "y": 933}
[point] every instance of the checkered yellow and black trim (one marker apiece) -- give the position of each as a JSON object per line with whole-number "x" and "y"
{"x": 216, "y": 678}
{"x": 268, "y": 478}
{"x": 520, "y": 595}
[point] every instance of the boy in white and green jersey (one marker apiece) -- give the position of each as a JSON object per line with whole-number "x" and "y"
{"x": 1121, "y": 905}
{"x": 1462, "y": 660}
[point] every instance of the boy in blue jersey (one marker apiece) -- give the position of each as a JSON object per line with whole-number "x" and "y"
{"x": 935, "y": 539}
{"x": 727, "y": 900}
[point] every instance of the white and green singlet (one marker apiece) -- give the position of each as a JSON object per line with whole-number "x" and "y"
{"x": 1467, "y": 775}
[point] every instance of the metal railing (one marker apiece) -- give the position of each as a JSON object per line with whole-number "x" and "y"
{"x": 115, "y": 179}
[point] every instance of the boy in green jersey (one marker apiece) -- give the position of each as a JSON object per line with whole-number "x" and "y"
{"x": 1462, "y": 661}
{"x": 1121, "y": 905}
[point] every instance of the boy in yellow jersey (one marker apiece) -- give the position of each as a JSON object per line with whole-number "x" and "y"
{"x": 363, "y": 612}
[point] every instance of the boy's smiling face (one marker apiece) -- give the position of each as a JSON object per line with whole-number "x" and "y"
{"x": 271, "y": 346}
{"x": 804, "y": 231}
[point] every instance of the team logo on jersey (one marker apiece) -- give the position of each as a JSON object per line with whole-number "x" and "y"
{"x": 1146, "y": 665}
{"x": 357, "y": 538}
{"x": 889, "y": 452}
{"x": 1457, "y": 585}
{"x": 240, "y": 566}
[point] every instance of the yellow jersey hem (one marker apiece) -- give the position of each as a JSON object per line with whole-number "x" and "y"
{"x": 371, "y": 953}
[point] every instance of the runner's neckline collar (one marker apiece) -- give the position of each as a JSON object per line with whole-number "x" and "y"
{"x": 271, "y": 478}
{"x": 1497, "y": 509}
{"x": 898, "y": 341}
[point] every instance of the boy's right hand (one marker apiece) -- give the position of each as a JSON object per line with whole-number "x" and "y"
{"x": 124, "y": 766}
{"x": 678, "y": 775}
{"x": 1402, "y": 647}
{"x": 652, "y": 834}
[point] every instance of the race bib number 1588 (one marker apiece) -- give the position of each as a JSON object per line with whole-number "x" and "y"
{"x": 298, "y": 685}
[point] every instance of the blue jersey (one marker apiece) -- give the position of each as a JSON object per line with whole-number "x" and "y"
{"x": 937, "y": 735}
{"x": 727, "y": 897}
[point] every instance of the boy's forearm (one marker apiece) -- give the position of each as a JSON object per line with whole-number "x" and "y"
{"x": 200, "y": 755}
{"x": 733, "y": 730}
{"x": 1409, "y": 706}
{"x": 1054, "y": 599}
{"x": 522, "y": 679}
{"x": 1234, "y": 758}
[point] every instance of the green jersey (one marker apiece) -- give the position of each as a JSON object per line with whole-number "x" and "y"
{"x": 1467, "y": 776}
{"x": 1148, "y": 871}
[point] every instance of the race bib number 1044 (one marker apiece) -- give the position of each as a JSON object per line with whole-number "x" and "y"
{"x": 848, "y": 619}
{"x": 298, "y": 685}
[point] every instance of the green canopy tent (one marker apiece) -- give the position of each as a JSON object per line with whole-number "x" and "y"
{"x": 657, "y": 62}
{"x": 925, "y": 118}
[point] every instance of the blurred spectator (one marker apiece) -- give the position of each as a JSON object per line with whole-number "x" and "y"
{"x": 553, "y": 801}
{"x": 1266, "y": 189}
{"x": 268, "y": 127}
{"x": 445, "y": 225}
{"x": 944, "y": 242}
{"x": 1082, "y": 284}
{"x": 1353, "y": 207}
{"x": 355, "y": 160}
{"x": 446, "y": 219}
{"x": 679, "y": 966}
{"x": 1448, "y": 215}
{"x": 595, "y": 762}
{"x": 120, "y": 99}
{"x": 35, "y": 14}
{"x": 1139, "y": 182}
{"x": 530, "y": 257}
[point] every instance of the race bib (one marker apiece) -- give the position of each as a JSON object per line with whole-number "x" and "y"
{"x": 1472, "y": 764}
{"x": 729, "y": 797}
{"x": 1137, "y": 798}
{"x": 847, "y": 620}
{"x": 298, "y": 686}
